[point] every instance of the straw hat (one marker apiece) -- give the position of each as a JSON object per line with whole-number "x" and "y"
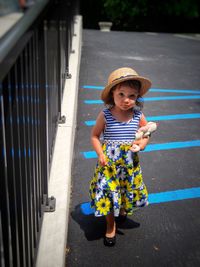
{"x": 121, "y": 75}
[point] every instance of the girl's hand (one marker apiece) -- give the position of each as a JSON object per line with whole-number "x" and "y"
{"x": 135, "y": 148}
{"x": 139, "y": 145}
{"x": 102, "y": 160}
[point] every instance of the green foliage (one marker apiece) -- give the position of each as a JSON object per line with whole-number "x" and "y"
{"x": 121, "y": 10}
{"x": 182, "y": 8}
{"x": 143, "y": 15}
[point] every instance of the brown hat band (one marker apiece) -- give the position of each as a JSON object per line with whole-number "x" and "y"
{"x": 122, "y": 77}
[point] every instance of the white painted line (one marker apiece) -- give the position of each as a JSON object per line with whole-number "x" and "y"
{"x": 187, "y": 37}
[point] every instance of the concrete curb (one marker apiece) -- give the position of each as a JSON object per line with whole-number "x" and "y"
{"x": 52, "y": 245}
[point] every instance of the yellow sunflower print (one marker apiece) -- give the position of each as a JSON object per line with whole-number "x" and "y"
{"x": 109, "y": 171}
{"x": 113, "y": 185}
{"x": 118, "y": 184}
{"x": 103, "y": 206}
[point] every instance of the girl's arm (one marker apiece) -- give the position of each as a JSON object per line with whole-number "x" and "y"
{"x": 95, "y": 138}
{"x": 143, "y": 121}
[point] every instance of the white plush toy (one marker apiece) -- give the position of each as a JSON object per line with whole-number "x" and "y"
{"x": 146, "y": 130}
{"x": 143, "y": 132}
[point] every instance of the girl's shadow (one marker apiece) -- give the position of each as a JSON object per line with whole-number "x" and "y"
{"x": 95, "y": 227}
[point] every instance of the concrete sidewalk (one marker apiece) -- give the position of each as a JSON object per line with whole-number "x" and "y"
{"x": 51, "y": 251}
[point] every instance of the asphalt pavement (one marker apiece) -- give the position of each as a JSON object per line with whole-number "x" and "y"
{"x": 167, "y": 232}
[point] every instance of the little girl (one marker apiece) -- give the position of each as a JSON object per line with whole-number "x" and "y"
{"x": 117, "y": 186}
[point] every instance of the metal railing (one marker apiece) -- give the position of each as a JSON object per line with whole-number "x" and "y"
{"x": 33, "y": 67}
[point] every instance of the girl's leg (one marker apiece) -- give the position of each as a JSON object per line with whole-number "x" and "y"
{"x": 110, "y": 227}
{"x": 123, "y": 212}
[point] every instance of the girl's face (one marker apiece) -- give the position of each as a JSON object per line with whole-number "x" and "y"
{"x": 125, "y": 97}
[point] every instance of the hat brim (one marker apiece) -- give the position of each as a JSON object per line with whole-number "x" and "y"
{"x": 145, "y": 86}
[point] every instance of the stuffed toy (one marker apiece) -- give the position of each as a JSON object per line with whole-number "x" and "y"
{"x": 146, "y": 130}
{"x": 143, "y": 132}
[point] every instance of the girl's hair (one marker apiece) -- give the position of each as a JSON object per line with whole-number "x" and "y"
{"x": 131, "y": 83}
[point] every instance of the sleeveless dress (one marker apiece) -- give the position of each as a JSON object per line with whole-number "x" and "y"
{"x": 119, "y": 184}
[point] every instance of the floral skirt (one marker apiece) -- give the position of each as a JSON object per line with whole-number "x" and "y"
{"x": 119, "y": 184}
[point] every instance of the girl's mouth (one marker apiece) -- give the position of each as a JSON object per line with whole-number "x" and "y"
{"x": 126, "y": 106}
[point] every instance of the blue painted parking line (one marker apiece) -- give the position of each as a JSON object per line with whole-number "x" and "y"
{"x": 172, "y": 145}
{"x": 180, "y": 91}
{"x": 93, "y": 87}
{"x": 174, "y": 195}
{"x": 90, "y": 123}
{"x": 154, "y": 147}
{"x": 156, "y": 198}
{"x": 161, "y": 118}
{"x": 147, "y": 99}
{"x": 174, "y": 117}
{"x": 89, "y": 102}
{"x": 157, "y": 90}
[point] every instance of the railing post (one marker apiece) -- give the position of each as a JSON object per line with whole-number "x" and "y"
{"x": 45, "y": 87}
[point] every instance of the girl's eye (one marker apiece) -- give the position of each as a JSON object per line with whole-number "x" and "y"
{"x": 133, "y": 97}
{"x": 121, "y": 94}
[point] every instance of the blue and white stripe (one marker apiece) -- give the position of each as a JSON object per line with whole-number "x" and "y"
{"x": 116, "y": 131}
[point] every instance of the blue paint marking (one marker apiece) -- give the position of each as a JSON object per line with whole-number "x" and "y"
{"x": 148, "y": 99}
{"x": 151, "y": 90}
{"x": 93, "y": 87}
{"x": 161, "y": 98}
{"x": 155, "y": 147}
{"x": 161, "y": 118}
{"x": 155, "y": 198}
{"x": 174, "y": 195}
{"x": 174, "y": 91}
{"x": 89, "y": 154}
{"x": 174, "y": 117}
{"x": 172, "y": 145}
{"x": 89, "y": 102}
{"x": 90, "y": 123}
{"x": 86, "y": 209}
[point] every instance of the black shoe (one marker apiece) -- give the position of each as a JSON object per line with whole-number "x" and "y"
{"x": 109, "y": 241}
{"x": 121, "y": 218}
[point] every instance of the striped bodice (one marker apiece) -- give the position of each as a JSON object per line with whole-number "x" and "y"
{"x": 123, "y": 132}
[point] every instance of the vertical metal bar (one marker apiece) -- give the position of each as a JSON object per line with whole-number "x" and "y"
{"x": 30, "y": 102}
{"x": 2, "y": 256}
{"x": 44, "y": 113}
{"x": 35, "y": 143}
{"x": 27, "y": 105}
{"x": 16, "y": 149}
{"x": 4, "y": 203}
{"x": 63, "y": 52}
{"x": 24, "y": 145}
{"x": 19, "y": 172}
{"x": 62, "y": 64}
{"x": 59, "y": 68}
{"x": 53, "y": 101}
{"x": 39, "y": 36}
{"x": 49, "y": 81}
{"x": 68, "y": 47}
{"x": 12, "y": 155}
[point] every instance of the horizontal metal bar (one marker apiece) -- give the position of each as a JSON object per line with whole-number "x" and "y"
{"x": 9, "y": 40}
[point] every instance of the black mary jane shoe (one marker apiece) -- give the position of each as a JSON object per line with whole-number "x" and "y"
{"x": 109, "y": 241}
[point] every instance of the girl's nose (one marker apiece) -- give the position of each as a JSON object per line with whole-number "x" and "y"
{"x": 126, "y": 99}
